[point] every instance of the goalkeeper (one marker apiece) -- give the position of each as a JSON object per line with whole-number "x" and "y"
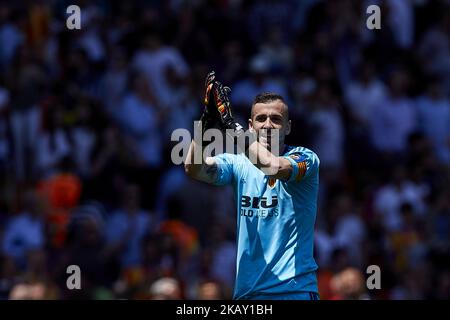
{"x": 276, "y": 197}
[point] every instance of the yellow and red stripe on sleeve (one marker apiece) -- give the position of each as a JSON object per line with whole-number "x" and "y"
{"x": 301, "y": 170}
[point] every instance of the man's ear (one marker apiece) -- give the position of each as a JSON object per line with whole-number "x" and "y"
{"x": 288, "y": 127}
{"x": 250, "y": 125}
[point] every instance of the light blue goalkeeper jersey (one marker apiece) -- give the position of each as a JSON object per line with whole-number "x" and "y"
{"x": 275, "y": 224}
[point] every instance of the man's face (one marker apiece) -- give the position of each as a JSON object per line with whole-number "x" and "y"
{"x": 269, "y": 116}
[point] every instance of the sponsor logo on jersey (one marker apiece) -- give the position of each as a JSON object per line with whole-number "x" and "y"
{"x": 259, "y": 207}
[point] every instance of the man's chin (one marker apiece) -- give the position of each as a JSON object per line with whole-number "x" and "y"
{"x": 270, "y": 147}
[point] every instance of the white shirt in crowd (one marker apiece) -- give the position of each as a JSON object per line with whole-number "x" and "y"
{"x": 329, "y": 138}
{"x": 139, "y": 121}
{"x": 389, "y": 199}
{"x": 350, "y": 232}
{"x": 434, "y": 120}
{"x": 154, "y": 65}
{"x": 50, "y": 150}
{"x": 362, "y": 98}
{"x": 391, "y": 123}
{"x": 84, "y": 141}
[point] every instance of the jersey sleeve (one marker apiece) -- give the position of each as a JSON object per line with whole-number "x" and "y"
{"x": 305, "y": 163}
{"x": 227, "y": 166}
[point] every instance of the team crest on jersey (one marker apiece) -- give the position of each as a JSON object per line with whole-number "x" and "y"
{"x": 271, "y": 182}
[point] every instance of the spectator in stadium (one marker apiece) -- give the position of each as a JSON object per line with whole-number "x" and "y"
{"x": 24, "y": 231}
{"x": 393, "y": 118}
{"x": 361, "y": 95}
{"x": 349, "y": 285}
{"x": 139, "y": 118}
{"x": 153, "y": 59}
{"x": 433, "y": 114}
{"x": 126, "y": 227}
{"x": 166, "y": 289}
{"x": 390, "y": 197}
{"x": 209, "y": 290}
{"x": 53, "y": 144}
{"x": 349, "y": 229}
{"x": 326, "y": 121}
{"x": 259, "y": 81}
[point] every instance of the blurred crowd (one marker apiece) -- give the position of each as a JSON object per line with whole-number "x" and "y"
{"x": 86, "y": 118}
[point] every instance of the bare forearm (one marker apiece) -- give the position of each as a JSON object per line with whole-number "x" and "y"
{"x": 266, "y": 161}
{"x": 198, "y": 168}
{"x": 264, "y": 158}
{"x": 190, "y": 165}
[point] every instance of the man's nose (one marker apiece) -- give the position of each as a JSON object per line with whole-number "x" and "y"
{"x": 268, "y": 124}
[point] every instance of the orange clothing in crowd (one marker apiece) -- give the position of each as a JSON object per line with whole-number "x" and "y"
{"x": 185, "y": 236}
{"x": 62, "y": 192}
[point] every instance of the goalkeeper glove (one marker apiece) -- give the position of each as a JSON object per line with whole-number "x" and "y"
{"x": 222, "y": 101}
{"x": 210, "y": 116}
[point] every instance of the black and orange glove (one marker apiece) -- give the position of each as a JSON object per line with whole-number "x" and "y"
{"x": 210, "y": 117}
{"x": 227, "y": 121}
{"x": 222, "y": 101}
